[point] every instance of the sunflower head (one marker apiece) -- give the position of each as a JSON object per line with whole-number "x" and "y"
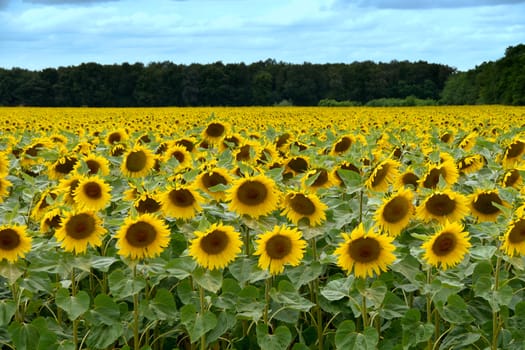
{"x": 94, "y": 165}
{"x": 147, "y": 203}
{"x": 181, "y": 201}
{"x": 92, "y": 194}
{"x": 365, "y": 252}
{"x": 78, "y": 230}
{"x": 215, "y": 131}
{"x": 395, "y": 212}
{"x": 318, "y": 178}
{"x": 213, "y": 177}
{"x": 116, "y": 137}
{"x": 253, "y": 196}
{"x": 447, "y": 247}
{"x": 382, "y": 175}
{"x": 62, "y": 167}
{"x": 301, "y": 205}
{"x": 279, "y": 247}
{"x": 137, "y": 162}
{"x": 513, "y": 153}
{"x": 216, "y": 247}
{"x": 512, "y": 178}
{"x": 446, "y": 170}
{"x": 342, "y": 145}
{"x": 482, "y": 205}
{"x": 514, "y": 238}
{"x": 14, "y": 242}
{"x": 143, "y": 237}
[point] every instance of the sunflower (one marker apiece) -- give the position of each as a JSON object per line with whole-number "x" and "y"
{"x": 14, "y": 242}
{"x": 43, "y": 203}
{"x": 188, "y": 143}
{"x": 147, "y": 203}
{"x": 116, "y": 136}
{"x": 513, "y": 153}
{"x": 95, "y": 164}
{"x": 117, "y": 150}
{"x": 442, "y": 206}
{"x": 514, "y": 238}
{"x": 297, "y": 165}
{"x": 395, "y": 212}
{"x": 216, "y": 247}
{"x": 4, "y": 164}
{"x": 407, "y": 179}
{"x": 181, "y": 201}
{"x": 231, "y": 141}
{"x": 342, "y": 145}
{"x": 68, "y": 186}
{"x": 512, "y": 178}
{"x": 365, "y": 252}
{"x": 143, "y": 237}
{"x": 137, "y": 162}
{"x": 92, "y": 193}
{"x": 300, "y": 205}
{"x": 382, "y": 175}
{"x": 215, "y": 132}
{"x": 78, "y": 229}
{"x": 468, "y": 141}
{"x": 318, "y": 178}
{"x": 447, "y": 137}
{"x": 267, "y": 154}
{"x": 471, "y": 164}
{"x": 482, "y": 207}
{"x": 51, "y": 220}
{"x": 279, "y": 247}
{"x": 210, "y": 178}
{"x": 4, "y": 188}
{"x": 253, "y": 196}
{"x": 180, "y": 153}
{"x": 446, "y": 170}
{"x": 447, "y": 247}
{"x": 62, "y": 167}
{"x": 343, "y": 166}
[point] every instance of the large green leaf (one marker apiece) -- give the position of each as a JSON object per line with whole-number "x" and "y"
{"x": 122, "y": 285}
{"x": 289, "y": 297}
{"x": 24, "y": 336}
{"x": 7, "y": 311}
{"x": 74, "y": 306}
{"x": 210, "y": 280}
{"x": 279, "y": 340}
{"x": 197, "y": 324}
{"x": 105, "y": 311}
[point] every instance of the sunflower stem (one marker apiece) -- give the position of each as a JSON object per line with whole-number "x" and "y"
{"x": 361, "y": 206}
{"x": 75, "y": 321}
{"x": 136, "y": 341}
{"x": 495, "y": 314}
{"x": 267, "y": 287}
{"x": 16, "y": 298}
{"x": 364, "y": 311}
{"x": 430, "y": 344}
{"x": 203, "y": 336}
{"x": 319, "y": 313}
{"x": 246, "y": 241}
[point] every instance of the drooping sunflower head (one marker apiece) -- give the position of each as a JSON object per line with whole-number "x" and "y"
{"x": 180, "y": 153}
{"x": 514, "y": 238}
{"x": 513, "y": 153}
{"x": 51, "y": 220}
{"x": 297, "y": 165}
{"x": 137, "y": 162}
{"x": 512, "y": 178}
{"x": 343, "y": 166}
{"x": 68, "y": 186}
{"x": 94, "y": 165}
{"x": 43, "y": 203}
{"x": 279, "y": 247}
{"x": 482, "y": 205}
{"x": 143, "y": 237}
{"x": 443, "y": 206}
{"x": 447, "y": 137}
{"x": 446, "y": 170}
{"x": 471, "y": 164}
{"x": 447, "y": 247}
{"x": 408, "y": 179}
{"x": 267, "y": 154}
{"x": 253, "y": 196}
{"x": 468, "y": 141}
{"x": 213, "y": 177}
{"x": 216, "y": 247}
{"x": 15, "y": 243}
{"x": 301, "y": 205}
{"x": 78, "y": 230}
{"x": 318, "y": 178}
{"x": 62, "y": 167}
{"x": 342, "y": 145}
{"x": 395, "y": 212}
{"x": 147, "y": 203}
{"x": 365, "y": 252}
{"x": 382, "y": 175}
{"x": 181, "y": 201}
{"x": 116, "y": 136}
{"x": 92, "y": 193}
{"x": 4, "y": 188}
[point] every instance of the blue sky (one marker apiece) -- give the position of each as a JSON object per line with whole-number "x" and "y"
{"x": 36, "y": 34}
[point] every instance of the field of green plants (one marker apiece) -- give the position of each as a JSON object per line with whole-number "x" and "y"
{"x": 271, "y": 228}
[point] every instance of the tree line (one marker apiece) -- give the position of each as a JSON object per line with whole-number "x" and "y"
{"x": 261, "y": 83}
{"x": 267, "y": 83}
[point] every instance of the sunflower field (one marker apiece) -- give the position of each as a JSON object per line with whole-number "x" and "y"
{"x": 271, "y": 228}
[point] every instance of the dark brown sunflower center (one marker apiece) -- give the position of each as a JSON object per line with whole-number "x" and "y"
{"x": 181, "y": 198}
{"x": 93, "y": 166}
{"x": 278, "y": 246}
{"x": 141, "y": 234}
{"x": 321, "y": 179}
{"x": 136, "y": 161}
{"x": 244, "y": 153}
{"x": 517, "y": 233}
{"x": 80, "y": 226}
{"x": 214, "y": 242}
{"x": 446, "y": 137}
{"x": 515, "y": 149}
{"x": 9, "y": 239}
{"x": 179, "y": 156}
{"x": 440, "y": 205}
{"x": 302, "y": 204}
{"x": 114, "y": 137}
{"x": 432, "y": 178}
{"x": 213, "y": 179}
{"x": 364, "y": 249}
{"x": 483, "y": 203}
{"x": 396, "y": 209}
{"x": 54, "y": 222}
{"x": 343, "y": 145}
{"x": 299, "y": 165}
{"x": 147, "y": 205}
{"x": 215, "y": 129}
{"x": 379, "y": 174}
{"x": 410, "y": 179}
{"x": 186, "y": 144}
{"x": 92, "y": 190}
{"x": 512, "y": 177}
{"x": 33, "y": 150}
{"x": 73, "y": 186}
{"x": 66, "y": 165}
{"x": 282, "y": 139}
{"x": 444, "y": 244}
{"x": 252, "y": 193}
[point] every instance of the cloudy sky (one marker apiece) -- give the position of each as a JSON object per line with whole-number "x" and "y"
{"x": 36, "y": 34}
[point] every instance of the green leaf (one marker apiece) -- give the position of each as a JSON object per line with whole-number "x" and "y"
{"x": 225, "y": 322}
{"x": 211, "y": 280}
{"x": 245, "y": 270}
{"x": 287, "y": 295}
{"x": 303, "y": 274}
{"x": 393, "y": 306}
{"x": 74, "y": 306}
{"x": 102, "y": 336}
{"x": 181, "y": 267}
{"x": 375, "y": 293}
{"x": 342, "y": 333}
{"x": 410, "y": 268}
{"x": 455, "y": 311}
{"x": 7, "y": 311}
{"x": 11, "y": 272}
{"x": 461, "y": 340}
{"x": 346, "y": 338}
{"x": 482, "y": 252}
{"x": 197, "y": 324}
{"x": 279, "y": 340}
{"x": 24, "y": 336}
{"x": 105, "y": 311}
{"x": 122, "y": 285}
{"x": 350, "y": 178}
{"x": 162, "y": 306}
{"x": 414, "y": 331}
{"x": 337, "y": 289}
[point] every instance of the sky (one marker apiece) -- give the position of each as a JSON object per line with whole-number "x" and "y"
{"x": 38, "y": 34}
